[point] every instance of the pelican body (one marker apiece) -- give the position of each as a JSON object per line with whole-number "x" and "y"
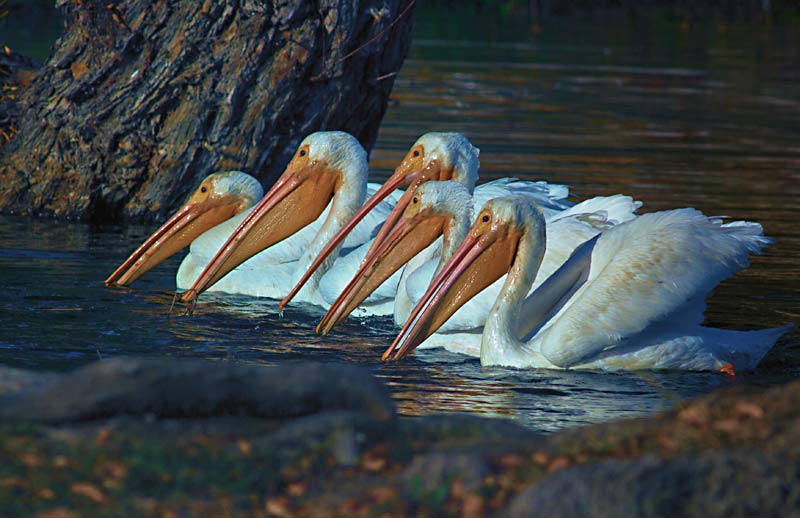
{"x": 632, "y": 297}
{"x": 445, "y": 209}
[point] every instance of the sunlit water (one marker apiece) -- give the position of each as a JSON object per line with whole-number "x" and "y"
{"x": 706, "y": 117}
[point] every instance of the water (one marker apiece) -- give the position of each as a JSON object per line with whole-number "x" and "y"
{"x": 704, "y": 115}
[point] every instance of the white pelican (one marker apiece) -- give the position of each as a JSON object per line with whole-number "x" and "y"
{"x": 434, "y": 156}
{"x": 631, "y": 298}
{"x": 329, "y": 170}
{"x": 446, "y": 209}
{"x": 215, "y": 203}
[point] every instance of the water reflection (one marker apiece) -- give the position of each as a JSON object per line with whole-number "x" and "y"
{"x": 688, "y": 122}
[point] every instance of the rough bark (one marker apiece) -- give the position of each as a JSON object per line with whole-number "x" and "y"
{"x": 140, "y": 100}
{"x": 16, "y": 73}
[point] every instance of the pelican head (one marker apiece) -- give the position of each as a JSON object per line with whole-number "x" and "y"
{"x": 218, "y": 198}
{"x": 434, "y": 209}
{"x": 441, "y": 156}
{"x": 504, "y": 228}
{"x": 325, "y": 163}
{"x": 433, "y": 157}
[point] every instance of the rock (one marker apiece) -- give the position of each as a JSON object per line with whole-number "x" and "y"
{"x": 714, "y": 483}
{"x": 201, "y": 438}
{"x": 17, "y": 380}
{"x": 427, "y": 473}
{"x": 197, "y": 388}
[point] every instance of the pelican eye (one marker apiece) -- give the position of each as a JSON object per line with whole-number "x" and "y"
{"x": 302, "y": 152}
{"x": 416, "y": 152}
{"x": 415, "y": 200}
{"x": 203, "y": 189}
{"x": 485, "y": 218}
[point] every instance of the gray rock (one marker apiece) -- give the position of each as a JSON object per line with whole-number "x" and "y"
{"x": 15, "y": 380}
{"x": 429, "y": 472}
{"x": 196, "y": 388}
{"x": 713, "y": 483}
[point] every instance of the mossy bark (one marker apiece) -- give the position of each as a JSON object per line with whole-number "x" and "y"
{"x": 140, "y": 100}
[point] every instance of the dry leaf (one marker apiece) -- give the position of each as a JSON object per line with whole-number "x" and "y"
{"x": 30, "y": 459}
{"x": 244, "y": 446}
{"x": 78, "y": 69}
{"x": 745, "y": 409}
{"x": 46, "y": 493}
{"x": 472, "y": 506}
{"x": 374, "y": 463}
{"x": 382, "y": 495}
{"x": 540, "y": 458}
{"x": 116, "y": 469}
{"x": 103, "y": 435}
{"x": 88, "y": 490}
{"x": 58, "y": 512}
{"x": 557, "y": 464}
{"x": 511, "y": 461}
{"x": 296, "y": 488}
{"x": 278, "y": 506}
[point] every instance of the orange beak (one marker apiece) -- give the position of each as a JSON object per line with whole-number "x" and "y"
{"x": 298, "y": 198}
{"x": 383, "y": 259}
{"x": 409, "y": 173}
{"x": 191, "y": 220}
{"x": 484, "y": 256}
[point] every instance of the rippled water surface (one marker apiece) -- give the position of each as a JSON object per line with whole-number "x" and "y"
{"x": 674, "y": 114}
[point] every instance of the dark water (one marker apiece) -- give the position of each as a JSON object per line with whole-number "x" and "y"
{"x": 675, "y": 113}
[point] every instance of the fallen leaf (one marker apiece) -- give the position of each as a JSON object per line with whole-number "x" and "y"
{"x": 57, "y": 512}
{"x": 296, "y": 488}
{"x": 351, "y": 507}
{"x": 244, "y": 446}
{"x": 112, "y": 484}
{"x": 540, "y": 458}
{"x": 557, "y": 464}
{"x": 88, "y": 490}
{"x": 278, "y": 506}
{"x": 745, "y": 409}
{"x": 693, "y": 417}
{"x": 116, "y": 469}
{"x": 371, "y": 463}
{"x": 457, "y": 490}
{"x": 30, "y": 459}
{"x": 103, "y": 435}
{"x": 727, "y": 425}
{"x": 383, "y": 495}
{"x": 46, "y": 493}
{"x": 667, "y": 443}
{"x": 472, "y": 506}
{"x": 511, "y": 461}
{"x": 78, "y": 69}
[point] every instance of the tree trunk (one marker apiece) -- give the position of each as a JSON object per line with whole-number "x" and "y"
{"x": 16, "y": 73}
{"x": 140, "y": 99}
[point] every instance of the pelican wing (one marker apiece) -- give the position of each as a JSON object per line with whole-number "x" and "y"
{"x": 564, "y": 234}
{"x": 641, "y": 272}
{"x": 551, "y": 197}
